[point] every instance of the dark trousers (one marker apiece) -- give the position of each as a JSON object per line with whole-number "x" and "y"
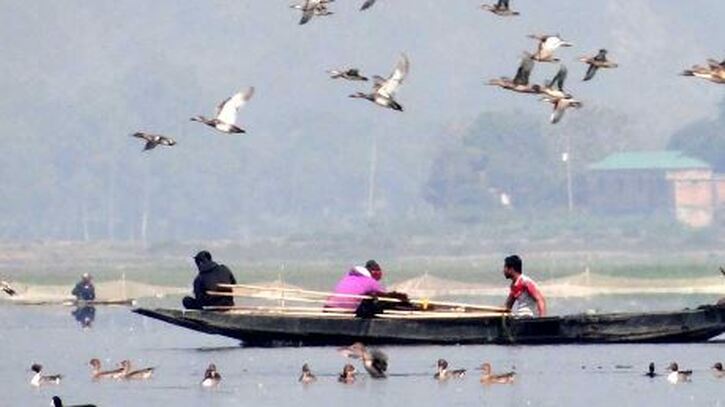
{"x": 191, "y": 303}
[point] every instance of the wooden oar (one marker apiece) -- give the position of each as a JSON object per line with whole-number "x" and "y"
{"x": 363, "y": 297}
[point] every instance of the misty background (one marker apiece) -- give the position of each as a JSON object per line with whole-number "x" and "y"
{"x": 79, "y": 76}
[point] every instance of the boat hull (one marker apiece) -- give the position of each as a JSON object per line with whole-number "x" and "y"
{"x": 691, "y": 325}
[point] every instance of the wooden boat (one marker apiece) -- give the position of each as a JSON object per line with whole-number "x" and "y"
{"x": 270, "y": 328}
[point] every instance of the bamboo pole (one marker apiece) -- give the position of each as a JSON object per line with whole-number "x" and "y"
{"x": 361, "y": 297}
{"x": 269, "y": 308}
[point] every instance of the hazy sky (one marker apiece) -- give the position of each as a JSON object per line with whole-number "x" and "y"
{"x": 87, "y": 73}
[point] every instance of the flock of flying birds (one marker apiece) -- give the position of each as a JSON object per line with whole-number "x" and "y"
{"x": 384, "y": 89}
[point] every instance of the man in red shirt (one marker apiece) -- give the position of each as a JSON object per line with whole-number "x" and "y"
{"x": 525, "y": 299}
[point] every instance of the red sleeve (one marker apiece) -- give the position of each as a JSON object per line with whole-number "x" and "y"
{"x": 533, "y": 289}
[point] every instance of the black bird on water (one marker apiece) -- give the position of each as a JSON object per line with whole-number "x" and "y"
{"x": 651, "y": 370}
{"x": 57, "y": 402}
{"x": 374, "y": 361}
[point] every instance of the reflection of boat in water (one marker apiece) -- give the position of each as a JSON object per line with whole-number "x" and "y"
{"x": 79, "y": 303}
{"x": 261, "y": 328}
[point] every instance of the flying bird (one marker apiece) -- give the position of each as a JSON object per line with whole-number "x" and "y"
{"x": 501, "y": 8}
{"x": 7, "y": 288}
{"x": 312, "y": 8}
{"x": 226, "y": 114}
{"x": 520, "y": 82}
{"x": 384, "y": 90}
{"x": 367, "y": 4}
{"x": 57, "y": 402}
{"x": 351, "y": 74}
{"x": 153, "y": 140}
{"x": 598, "y": 61}
{"x": 555, "y": 87}
{"x": 713, "y": 72}
{"x": 547, "y": 45}
{"x": 560, "y": 106}
{"x": 374, "y": 361}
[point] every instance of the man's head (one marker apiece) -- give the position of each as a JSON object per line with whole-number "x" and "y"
{"x": 512, "y": 267}
{"x": 86, "y": 277}
{"x": 202, "y": 257}
{"x": 374, "y": 268}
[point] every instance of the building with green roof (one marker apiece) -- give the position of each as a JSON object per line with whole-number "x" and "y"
{"x": 646, "y": 182}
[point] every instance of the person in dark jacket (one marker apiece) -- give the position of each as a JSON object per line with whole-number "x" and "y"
{"x": 210, "y": 275}
{"x": 84, "y": 290}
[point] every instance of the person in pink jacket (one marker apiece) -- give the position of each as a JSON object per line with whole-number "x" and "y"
{"x": 358, "y": 281}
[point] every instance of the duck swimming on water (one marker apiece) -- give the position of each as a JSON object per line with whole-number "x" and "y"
{"x": 444, "y": 374}
{"x": 96, "y": 372}
{"x": 140, "y": 374}
{"x": 306, "y": 376}
{"x": 226, "y": 114}
{"x": 39, "y": 379}
{"x": 348, "y": 374}
{"x": 520, "y": 83}
{"x": 547, "y": 45}
{"x": 500, "y": 9}
{"x": 596, "y": 62}
{"x": 212, "y": 378}
{"x": 351, "y": 74}
{"x": 374, "y": 361}
{"x": 487, "y": 377}
{"x": 678, "y": 376}
{"x": 384, "y": 90}
{"x": 651, "y": 370}
{"x": 153, "y": 140}
{"x": 57, "y": 402}
{"x": 718, "y": 370}
{"x": 7, "y": 289}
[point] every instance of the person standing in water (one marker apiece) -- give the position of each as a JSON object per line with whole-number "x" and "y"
{"x": 525, "y": 299}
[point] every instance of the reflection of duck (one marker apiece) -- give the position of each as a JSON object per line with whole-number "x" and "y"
{"x": 678, "y": 376}
{"x": 374, "y": 361}
{"x": 211, "y": 377}
{"x": 651, "y": 370}
{"x": 520, "y": 82}
{"x": 140, "y": 374}
{"x": 57, "y": 402}
{"x": 39, "y": 379}
{"x": 348, "y": 374}
{"x": 444, "y": 374}
{"x": 487, "y": 377}
{"x": 307, "y": 376}
{"x": 501, "y": 8}
{"x": 96, "y": 372}
{"x": 717, "y": 370}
